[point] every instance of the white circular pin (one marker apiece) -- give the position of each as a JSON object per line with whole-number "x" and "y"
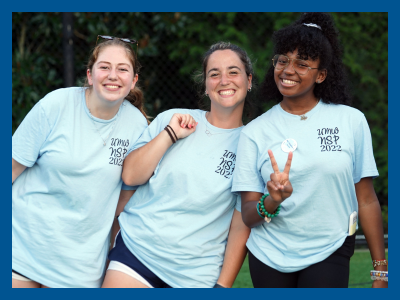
{"x": 289, "y": 145}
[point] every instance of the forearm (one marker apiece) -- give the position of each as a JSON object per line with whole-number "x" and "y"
{"x": 235, "y": 251}
{"x": 140, "y": 164}
{"x": 371, "y": 221}
{"x": 249, "y": 208}
{"x": 17, "y": 169}
{"x": 370, "y": 216}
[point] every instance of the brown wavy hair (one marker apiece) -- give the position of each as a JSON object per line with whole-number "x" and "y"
{"x": 135, "y": 96}
{"x": 200, "y": 76}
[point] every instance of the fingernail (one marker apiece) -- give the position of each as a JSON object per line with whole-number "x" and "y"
{"x": 190, "y": 125}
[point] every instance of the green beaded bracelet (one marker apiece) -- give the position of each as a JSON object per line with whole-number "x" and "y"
{"x": 260, "y": 213}
{"x": 278, "y": 209}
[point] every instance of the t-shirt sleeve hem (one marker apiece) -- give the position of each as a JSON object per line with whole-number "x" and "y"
{"x": 247, "y": 188}
{"x": 374, "y": 174}
{"x": 22, "y": 161}
{"x": 125, "y": 187}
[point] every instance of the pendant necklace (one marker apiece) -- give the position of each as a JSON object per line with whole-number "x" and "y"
{"x": 94, "y": 124}
{"x": 208, "y": 132}
{"x": 303, "y": 117}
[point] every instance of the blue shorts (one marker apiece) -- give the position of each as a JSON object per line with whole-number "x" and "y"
{"x": 121, "y": 253}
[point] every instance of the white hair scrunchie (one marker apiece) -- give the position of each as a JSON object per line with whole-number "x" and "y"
{"x": 313, "y": 25}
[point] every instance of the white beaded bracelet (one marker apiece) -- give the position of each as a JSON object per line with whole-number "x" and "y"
{"x": 379, "y": 275}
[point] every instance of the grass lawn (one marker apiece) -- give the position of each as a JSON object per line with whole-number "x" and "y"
{"x": 360, "y": 266}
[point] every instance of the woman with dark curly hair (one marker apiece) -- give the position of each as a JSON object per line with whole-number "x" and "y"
{"x": 303, "y": 229}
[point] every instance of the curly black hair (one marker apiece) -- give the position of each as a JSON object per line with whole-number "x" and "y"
{"x": 312, "y": 43}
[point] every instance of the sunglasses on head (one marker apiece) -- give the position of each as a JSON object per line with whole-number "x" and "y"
{"x": 125, "y": 40}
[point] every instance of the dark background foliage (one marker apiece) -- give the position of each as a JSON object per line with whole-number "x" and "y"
{"x": 170, "y": 50}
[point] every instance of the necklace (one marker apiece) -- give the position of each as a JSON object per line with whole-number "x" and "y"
{"x": 94, "y": 124}
{"x": 208, "y": 132}
{"x": 303, "y": 117}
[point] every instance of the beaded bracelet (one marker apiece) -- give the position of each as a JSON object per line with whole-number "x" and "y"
{"x": 267, "y": 214}
{"x": 379, "y": 275}
{"x": 379, "y": 262}
{"x": 261, "y": 214}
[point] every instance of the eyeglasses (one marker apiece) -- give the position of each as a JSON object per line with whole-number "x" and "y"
{"x": 281, "y": 61}
{"x": 126, "y": 40}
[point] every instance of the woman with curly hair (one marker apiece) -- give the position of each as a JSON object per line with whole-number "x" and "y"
{"x": 306, "y": 238}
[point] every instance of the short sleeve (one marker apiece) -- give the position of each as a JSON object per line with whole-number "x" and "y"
{"x": 238, "y": 205}
{"x": 247, "y": 176}
{"x": 125, "y": 187}
{"x": 30, "y": 136}
{"x": 151, "y": 131}
{"x": 364, "y": 163}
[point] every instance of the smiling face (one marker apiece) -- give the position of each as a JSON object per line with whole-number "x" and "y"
{"x": 112, "y": 76}
{"x": 295, "y": 86}
{"x": 226, "y": 79}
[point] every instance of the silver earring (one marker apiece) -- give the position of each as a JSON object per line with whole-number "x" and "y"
{"x": 318, "y": 81}
{"x": 205, "y": 93}
{"x": 249, "y": 90}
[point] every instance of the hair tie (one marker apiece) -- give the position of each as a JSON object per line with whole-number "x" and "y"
{"x": 313, "y": 25}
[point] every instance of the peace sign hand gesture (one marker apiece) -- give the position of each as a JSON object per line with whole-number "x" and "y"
{"x": 279, "y": 187}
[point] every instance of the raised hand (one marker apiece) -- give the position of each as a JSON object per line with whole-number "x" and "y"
{"x": 183, "y": 125}
{"x": 279, "y": 187}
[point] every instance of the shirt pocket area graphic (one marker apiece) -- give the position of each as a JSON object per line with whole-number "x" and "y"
{"x": 329, "y": 139}
{"x": 226, "y": 165}
{"x": 118, "y": 151}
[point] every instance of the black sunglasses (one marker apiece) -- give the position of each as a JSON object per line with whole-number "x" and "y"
{"x": 126, "y": 40}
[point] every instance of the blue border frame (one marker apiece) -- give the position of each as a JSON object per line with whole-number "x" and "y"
{"x": 205, "y": 5}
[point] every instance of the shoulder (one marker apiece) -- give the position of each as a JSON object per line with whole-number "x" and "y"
{"x": 260, "y": 123}
{"x": 64, "y": 94}
{"x": 57, "y": 101}
{"x": 62, "y": 97}
{"x": 133, "y": 113}
{"x": 340, "y": 108}
{"x": 167, "y": 115}
{"x": 343, "y": 111}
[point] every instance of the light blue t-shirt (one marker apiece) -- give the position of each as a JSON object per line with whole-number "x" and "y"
{"x": 63, "y": 204}
{"x": 334, "y": 152}
{"x": 177, "y": 223}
